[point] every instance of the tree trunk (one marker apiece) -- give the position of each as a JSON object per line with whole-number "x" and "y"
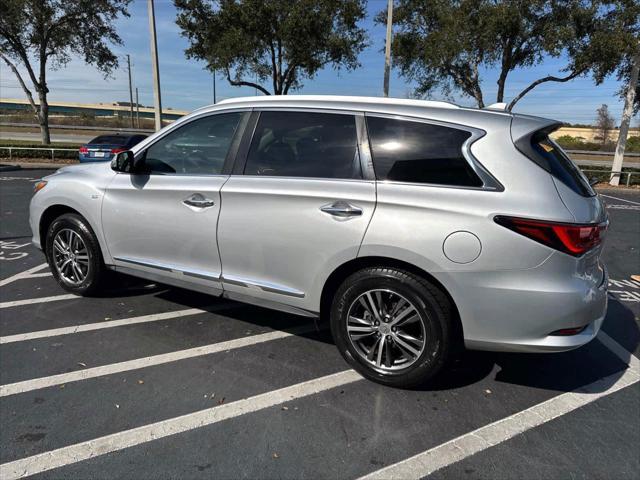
{"x": 502, "y": 79}
{"x": 626, "y": 120}
{"x": 43, "y": 116}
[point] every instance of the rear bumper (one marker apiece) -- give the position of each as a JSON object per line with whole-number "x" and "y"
{"x": 517, "y": 310}
{"x": 88, "y": 159}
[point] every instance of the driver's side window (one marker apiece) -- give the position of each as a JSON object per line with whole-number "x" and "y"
{"x": 197, "y": 148}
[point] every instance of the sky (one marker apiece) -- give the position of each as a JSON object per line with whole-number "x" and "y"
{"x": 186, "y": 85}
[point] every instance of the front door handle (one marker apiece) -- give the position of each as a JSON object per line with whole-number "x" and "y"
{"x": 342, "y": 209}
{"x": 198, "y": 201}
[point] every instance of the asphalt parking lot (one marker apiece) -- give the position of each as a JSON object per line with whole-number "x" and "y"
{"x": 149, "y": 381}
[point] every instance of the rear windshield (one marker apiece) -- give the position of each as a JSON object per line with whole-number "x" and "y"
{"x": 109, "y": 140}
{"x": 560, "y": 165}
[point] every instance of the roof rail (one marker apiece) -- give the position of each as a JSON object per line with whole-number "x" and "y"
{"x": 340, "y": 98}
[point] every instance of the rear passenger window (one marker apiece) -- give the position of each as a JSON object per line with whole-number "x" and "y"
{"x": 406, "y": 151}
{"x": 304, "y": 144}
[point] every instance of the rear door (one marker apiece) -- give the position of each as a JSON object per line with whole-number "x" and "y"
{"x": 297, "y": 206}
{"x": 163, "y": 221}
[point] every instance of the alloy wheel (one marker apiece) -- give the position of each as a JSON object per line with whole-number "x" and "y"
{"x": 70, "y": 256}
{"x": 386, "y": 330}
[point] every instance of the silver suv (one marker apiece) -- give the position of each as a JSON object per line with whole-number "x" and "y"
{"x": 413, "y": 226}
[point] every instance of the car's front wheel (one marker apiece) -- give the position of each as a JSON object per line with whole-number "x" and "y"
{"x": 392, "y": 326}
{"x": 74, "y": 255}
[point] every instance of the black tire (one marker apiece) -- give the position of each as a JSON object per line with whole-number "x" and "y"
{"x": 435, "y": 316}
{"x": 96, "y": 269}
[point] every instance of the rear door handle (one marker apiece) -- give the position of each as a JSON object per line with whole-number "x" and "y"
{"x": 342, "y": 209}
{"x": 197, "y": 200}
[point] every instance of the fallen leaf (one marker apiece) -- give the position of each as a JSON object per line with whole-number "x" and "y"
{"x": 487, "y": 391}
{"x": 275, "y": 455}
{"x": 221, "y": 401}
{"x": 82, "y": 364}
{"x": 62, "y": 386}
{"x": 285, "y": 408}
{"x": 107, "y": 318}
{"x": 117, "y": 406}
{"x": 140, "y": 382}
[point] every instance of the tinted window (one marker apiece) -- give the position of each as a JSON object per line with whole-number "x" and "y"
{"x": 415, "y": 152}
{"x": 110, "y": 140}
{"x": 197, "y": 148}
{"x": 559, "y": 165}
{"x": 301, "y": 144}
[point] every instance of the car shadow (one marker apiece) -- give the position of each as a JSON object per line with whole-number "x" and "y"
{"x": 561, "y": 372}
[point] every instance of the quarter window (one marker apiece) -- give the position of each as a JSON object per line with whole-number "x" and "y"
{"x": 304, "y": 144}
{"x": 197, "y": 148}
{"x": 418, "y": 152}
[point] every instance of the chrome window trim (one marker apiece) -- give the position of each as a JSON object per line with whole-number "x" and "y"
{"x": 361, "y": 139}
{"x": 212, "y": 276}
{"x": 489, "y": 182}
{"x": 143, "y": 147}
{"x": 264, "y": 286}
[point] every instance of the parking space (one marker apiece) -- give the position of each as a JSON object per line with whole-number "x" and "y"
{"x": 149, "y": 381}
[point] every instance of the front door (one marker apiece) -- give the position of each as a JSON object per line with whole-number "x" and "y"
{"x": 163, "y": 221}
{"x": 297, "y": 209}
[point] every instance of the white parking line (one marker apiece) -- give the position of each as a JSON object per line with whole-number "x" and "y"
{"x": 464, "y": 446}
{"x": 32, "y": 301}
{"x": 106, "y": 324}
{"x": 63, "y": 378}
{"x": 25, "y": 274}
{"x": 620, "y": 199}
{"x": 172, "y": 426}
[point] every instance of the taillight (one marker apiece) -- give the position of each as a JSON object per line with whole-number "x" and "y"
{"x": 84, "y": 149}
{"x": 571, "y": 238}
{"x": 118, "y": 150}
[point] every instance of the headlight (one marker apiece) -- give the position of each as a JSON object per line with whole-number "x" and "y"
{"x": 39, "y": 186}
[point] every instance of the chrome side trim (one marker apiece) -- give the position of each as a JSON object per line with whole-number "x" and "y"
{"x": 240, "y": 297}
{"x": 168, "y": 280}
{"x": 214, "y": 277}
{"x": 265, "y": 286}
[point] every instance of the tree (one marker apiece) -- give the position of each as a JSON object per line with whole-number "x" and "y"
{"x": 604, "y": 124}
{"x": 43, "y": 34}
{"x": 281, "y": 41}
{"x": 445, "y": 44}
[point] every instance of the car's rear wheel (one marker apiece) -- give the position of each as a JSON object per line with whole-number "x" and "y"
{"x": 74, "y": 255}
{"x": 392, "y": 326}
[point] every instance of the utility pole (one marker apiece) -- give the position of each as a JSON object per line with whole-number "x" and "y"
{"x": 629, "y": 98}
{"x": 137, "y": 109}
{"x": 154, "y": 64}
{"x": 214, "y": 85}
{"x": 130, "y": 91}
{"x": 387, "y": 48}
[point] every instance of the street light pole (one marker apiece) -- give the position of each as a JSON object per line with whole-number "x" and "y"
{"x": 130, "y": 90}
{"x": 214, "y": 85}
{"x": 387, "y": 48}
{"x": 154, "y": 64}
{"x": 137, "y": 109}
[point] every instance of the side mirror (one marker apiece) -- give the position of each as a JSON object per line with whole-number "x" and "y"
{"x": 123, "y": 162}
{"x": 593, "y": 181}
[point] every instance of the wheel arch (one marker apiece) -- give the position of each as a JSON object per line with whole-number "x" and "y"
{"x": 54, "y": 211}
{"x": 335, "y": 279}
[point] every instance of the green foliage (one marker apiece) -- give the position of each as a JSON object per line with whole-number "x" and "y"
{"x": 576, "y": 143}
{"x": 444, "y": 44}
{"x": 277, "y": 41}
{"x": 44, "y": 154}
{"x": 633, "y": 144}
